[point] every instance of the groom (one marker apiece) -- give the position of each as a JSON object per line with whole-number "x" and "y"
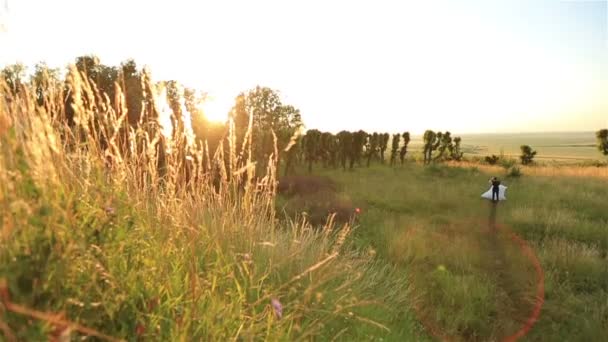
{"x": 495, "y": 188}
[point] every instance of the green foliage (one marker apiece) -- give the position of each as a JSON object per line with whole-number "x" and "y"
{"x": 602, "y": 141}
{"x": 311, "y": 142}
{"x": 491, "y": 160}
{"x": 455, "y": 149}
{"x": 268, "y": 115}
{"x": 403, "y": 151}
{"x": 395, "y": 148}
{"x": 507, "y": 163}
{"x": 359, "y": 141}
{"x": 384, "y": 138}
{"x": 430, "y": 141}
{"x": 527, "y": 154}
{"x": 514, "y": 172}
{"x": 448, "y": 148}
{"x": 372, "y": 146}
{"x": 346, "y": 148}
{"x": 13, "y": 75}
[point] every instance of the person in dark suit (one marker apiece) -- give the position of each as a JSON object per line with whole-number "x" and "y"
{"x": 495, "y": 188}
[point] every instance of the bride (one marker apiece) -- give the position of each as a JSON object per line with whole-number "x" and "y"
{"x": 497, "y": 188}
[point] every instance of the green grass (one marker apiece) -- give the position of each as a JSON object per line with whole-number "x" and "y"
{"x": 96, "y": 242}
{"x": 99, "y": 241}
{"x": 564, "y": 220}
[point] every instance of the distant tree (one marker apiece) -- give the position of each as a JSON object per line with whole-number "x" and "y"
{"x": 406, "y": 141}
{"x": 372, "y": 146}
{"x": 131, "y": 82}
{"x": 444, "y": 144}
{"x": 268, "y": 114}
{"x": 430, "y": 140}
{"x": 492, "y": 160}
{"x": 328, "y": 149}
{"x": 14, "y": 76}
{"x": 395, "y": 148}
{"x": 345, "y": 146}
{"x": 291, "y": 154}
{"x": 602, "y": 141}
{"x": 455, "y": 150}
{"x": 43, "y": 80}
{"x": 359, "y": 140}
{"x": 311, "y": 146}
{"x": 527, "y": 154}
{"x": 384, "y": 138}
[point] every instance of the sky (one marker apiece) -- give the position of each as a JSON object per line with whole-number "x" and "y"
{"x": 461, "y": 65}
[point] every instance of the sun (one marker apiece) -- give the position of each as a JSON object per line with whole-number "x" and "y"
{"x": 216, "y": 108}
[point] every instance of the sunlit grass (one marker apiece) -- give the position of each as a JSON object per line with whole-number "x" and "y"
{"x": 105, "y": 234}
{"x": 431, "y": 220}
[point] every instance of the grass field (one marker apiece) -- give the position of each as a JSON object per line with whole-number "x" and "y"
{"x": 103, "y": 243}
{"x": 96, "y": 243}
{"x": 470, "y": 279}
{"x": 568, "y": 147}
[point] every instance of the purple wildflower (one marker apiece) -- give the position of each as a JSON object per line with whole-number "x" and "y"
{"x": 278, "y": 307}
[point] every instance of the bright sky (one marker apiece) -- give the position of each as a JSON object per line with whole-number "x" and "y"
{"x": 465, "y": 66}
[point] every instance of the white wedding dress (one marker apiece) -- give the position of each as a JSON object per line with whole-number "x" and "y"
{"x": 501, "y": 193}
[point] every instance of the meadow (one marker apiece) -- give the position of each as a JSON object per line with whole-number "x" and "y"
{"x": 112, "y": 232}
{"x": 120, "y": 231}
{"x": 471, "y": 265}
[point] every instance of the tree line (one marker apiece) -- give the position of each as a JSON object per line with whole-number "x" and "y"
{"x": 258, "y": 119}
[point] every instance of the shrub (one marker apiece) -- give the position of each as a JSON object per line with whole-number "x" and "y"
{"x": 514, "y": 172}
{"x": 527, "y": 154}
{"x": 492, "y": 160}
{"x": 507, "y": 163}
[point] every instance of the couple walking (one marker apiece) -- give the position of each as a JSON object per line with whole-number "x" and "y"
{"x": 495, "y": 188}
{"x": 496, "y": 192}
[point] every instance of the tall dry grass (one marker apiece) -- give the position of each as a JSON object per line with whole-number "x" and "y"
{"x": 565, "y": 170}
{"x": 125, "y": 232}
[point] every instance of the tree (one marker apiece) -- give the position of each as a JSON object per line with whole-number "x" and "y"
{"x": 130, "y": 77}
{"x": 311, "y": 146}
{"x": 43, "y": 80}
{"x": 403, "y": 152}
{"x": 527, "y": 154}
{"x": 359, "y": 140}
{"x": 14, "y": 75}
{"x": 444, "y": 144}
{"x": 384, "y": 138}
{"x": 492, "y": 160}
{"x": 268, "y": 115}
{"x": 395, "y": 148}
{"x": 328, "y": 149}
{"x": 345, "y": 146}
{"x": 429, "y": 140}
{"x": 602, "y": 141}
{"x": 455, "y": 152}
{"x": 371, "y": 146}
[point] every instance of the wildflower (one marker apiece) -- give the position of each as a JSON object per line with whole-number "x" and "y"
{"x": 358, "y": 210}
{"x": 110, "y": 210}
{"x": 278, "y": 307}
{"x": 139, "y": 330}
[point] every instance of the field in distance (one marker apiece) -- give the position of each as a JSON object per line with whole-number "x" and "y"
{"x": 558, "y": 146}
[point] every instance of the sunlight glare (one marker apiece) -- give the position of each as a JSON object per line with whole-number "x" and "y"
{"x": 216, "y": 109}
